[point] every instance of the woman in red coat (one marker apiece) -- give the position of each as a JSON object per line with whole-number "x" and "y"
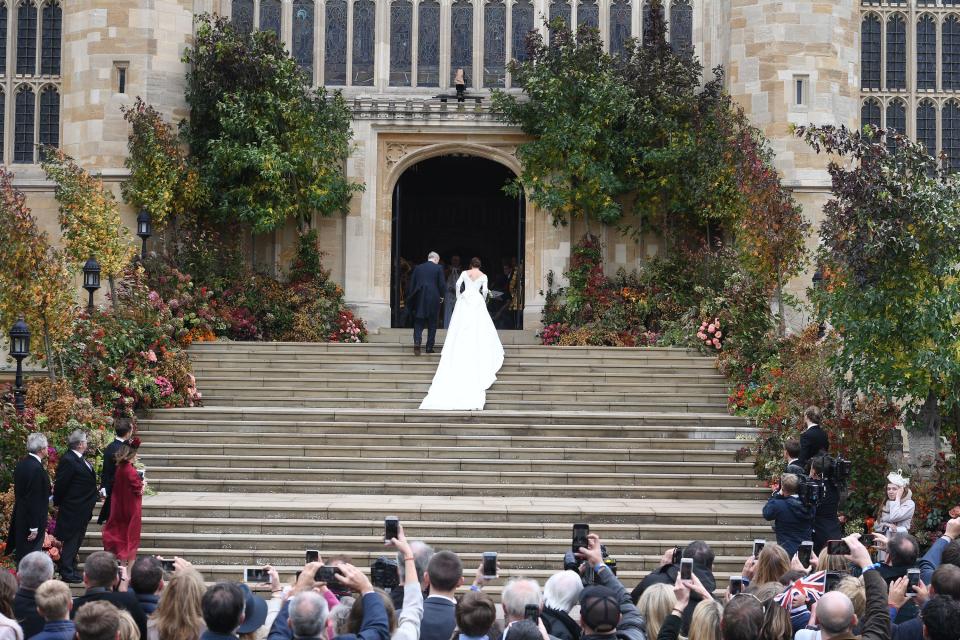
{"x": 121, "y": 532}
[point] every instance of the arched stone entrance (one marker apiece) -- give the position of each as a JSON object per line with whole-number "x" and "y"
{"x": 455, "y": 204}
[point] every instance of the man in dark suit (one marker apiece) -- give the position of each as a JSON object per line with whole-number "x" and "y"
{"x": 122, "y": 427}
{"x": 424, "y": 295}
{"x": 101, "y": 577}
{"x": 814, "y": 440}
{"x": 35, "y": 569}
{"x": 31, "y": 490}
{"x": 443, "y": 576}
{"x": 75, "y": 493}
{"x": 791, "y": 453}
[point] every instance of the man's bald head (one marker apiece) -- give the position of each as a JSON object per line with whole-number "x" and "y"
{"x": 835, "y": 615}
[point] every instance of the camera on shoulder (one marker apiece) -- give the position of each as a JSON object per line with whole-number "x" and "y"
{"x": 811, "y": 492}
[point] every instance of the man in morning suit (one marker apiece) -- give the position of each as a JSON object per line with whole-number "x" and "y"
{"x": 424, "y": 295}
{"x": 443, "y": 576}
{"x": 31, "y": 489}
{"x": 75, "y": 493}
{"x": 122, "y": 429}
{"x": 100, "y": 576}
{"x": 814, "y": 440}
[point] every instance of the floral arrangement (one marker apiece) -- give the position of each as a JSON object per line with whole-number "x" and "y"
{"x": 710, "y": 334}
{"x": 349, "y": 328}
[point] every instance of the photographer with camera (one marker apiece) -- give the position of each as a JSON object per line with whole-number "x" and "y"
{"x": 606, "y": 610}
{"x": 792, "y": 520}
{"x": 826, "y": 521}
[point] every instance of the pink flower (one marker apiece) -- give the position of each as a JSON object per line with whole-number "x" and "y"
{"x": 716, "y": 343}
{"x": 706, "y": 342}
{"x": 150, "y": 356}
{"x": 712, "y": 328}
{"x": 718, "y": 334}
{"x": 701, "y": 335}
{"x": 165, "y": 386}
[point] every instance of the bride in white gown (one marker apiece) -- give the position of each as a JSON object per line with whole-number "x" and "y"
{"x": 472, "y": 354}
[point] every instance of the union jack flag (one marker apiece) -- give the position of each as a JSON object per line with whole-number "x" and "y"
{"x": 807, "y": 587}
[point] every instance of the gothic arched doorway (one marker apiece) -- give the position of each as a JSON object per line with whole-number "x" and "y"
{"x": 455, "y": 205}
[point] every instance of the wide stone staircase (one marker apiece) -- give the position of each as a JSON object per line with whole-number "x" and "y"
{"x": 310, "y": 446}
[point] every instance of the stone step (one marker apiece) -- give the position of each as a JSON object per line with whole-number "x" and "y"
{"x": 414, "y": 507}
{"x": 221, "y": 438}
{"x": 190, "y": 444}
{"x": 375, "y": 347}
{"x": 405, "y": 336}
{"x": 406, "y": 358}
{"x": 430, "y": 531}
{"x": 540, "y": 467}
{"x": 429, "y": 365}
{"x": 495, "y": 402}
{"x": 634, "y": 376}
{"x": 456, "y": 485}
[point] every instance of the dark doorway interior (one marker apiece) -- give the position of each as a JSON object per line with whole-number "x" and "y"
{"x": 455, "y": 205}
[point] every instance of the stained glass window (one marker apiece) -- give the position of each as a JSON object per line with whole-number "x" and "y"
{"x": 870, "y": 113}
{"x": 588, "y": 14}
{"x": 3, "y": 40}
{"x": 647, "y": 18}
{"x": 896, "y": 122}
{"x": 494, "y": 43}
{"x": 50, "y": 117}
{"x": 401, "y": 34}
{"x": 26, "y": 39}
{"x": 896, "y": 52}
{"x": 560, "y": 9}
{"x": 50, "y": 40}
{"x": 681, "y": 26}
{"x": 522, "y": 26}
{"x": 23, "y": 126}
{"x": 951, "y": 134}
{"x": 461, "y": 40}
{"x": 927, "y": 126}
{"x": 302, "y": 46}
{"x": 620, "y": 28}
{"x": 428, "y": 43}
{"x": 926, "y": 53}
{"x": 335, "y": 43}
{"x": 270, "y": 16}
{"x": 241, "y": 12}
{"x": 364, "y": 42}
{"x": 951, "y": 53}
{"x": 870, "y": 51}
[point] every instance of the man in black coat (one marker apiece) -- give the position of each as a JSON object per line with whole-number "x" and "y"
{"x": 75, "y": 493}
{"x": 826, "y": 522}
{"x": 424, "y": 295}
{"x": 814, "y": 440}
{"x": 703, "y": 557}
{"x": 101, "y": 577}
{"x": 122, "y": 428}
{"x": 31, "y": 490}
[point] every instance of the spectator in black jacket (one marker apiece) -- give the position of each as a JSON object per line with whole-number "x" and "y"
{"x": 35, "y": 569}
{"x": 102, "y": 577}
{"x": 122, "y": 427}
{"x": 814, "y": 440}
{"x": 792, "y": 521}
{"x": 606, "y": 611}
{"x": 667, "y": 573}
{"x": 146, "y": 582}
{"x": 941, "y": 618}
{"x": 826, "y": 521}
{"x": 561, "y": 594}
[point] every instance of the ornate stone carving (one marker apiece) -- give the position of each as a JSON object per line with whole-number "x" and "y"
{"x": 394, "y": 152}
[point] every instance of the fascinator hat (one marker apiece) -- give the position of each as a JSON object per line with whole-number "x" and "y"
{"x": 897, "y": 478}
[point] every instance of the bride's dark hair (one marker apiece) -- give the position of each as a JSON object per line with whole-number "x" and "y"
{"x": 474, "y": 263}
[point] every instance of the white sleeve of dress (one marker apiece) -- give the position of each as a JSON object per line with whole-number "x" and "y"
{"x": 460, "y": 281}
{"x": 484, "y": 286}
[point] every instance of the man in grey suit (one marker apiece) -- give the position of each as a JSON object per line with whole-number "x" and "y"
{"x": 424, "y": 295}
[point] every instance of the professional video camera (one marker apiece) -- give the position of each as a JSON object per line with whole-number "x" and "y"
{"x": 811, "y": 492}
{"x": 836, "y": 470}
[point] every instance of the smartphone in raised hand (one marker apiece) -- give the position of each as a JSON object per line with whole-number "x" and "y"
{"x": 580, "y": 533}
{"x": 391, "y": 528}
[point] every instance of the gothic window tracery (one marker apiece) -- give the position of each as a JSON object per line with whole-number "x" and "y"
{"x": 335, "y": 43}
{"x": 461, "y": 40}
{"x": 926, "y": 53}
{"x": 401, "y": 33}
{"x": 950, "y": 118}
{"x": 303, "y": 25}
{"x": 494, "y": 43}
{"x": 270, "y": 16}
{"x": 241, "y": 15}
{"x": 364, "y": 42}
{"x": 896, "y": 52}
{"x": 950, "y": 52}
{"x": 681, "y": 26}
{"x": 620, "y": 25}
{"x": 428, "y": 43}
{"x": 588, "y": 14}
{"x": 870, "y": 51}
{"x": 927, "y": 126}
{"x": 26, "y": 39}
{"x": 3, "y": 38}
{"x": 23, "y": 149}
{"x": 52, "y": 25}
{"x": 896, "y": 122}
{"x": 870, "y": 113}
{"x": 646, "y": 18}
{"x": 49, "y": 130}
{"x": 522, "y": 18}
{"x": 560, "y": 9}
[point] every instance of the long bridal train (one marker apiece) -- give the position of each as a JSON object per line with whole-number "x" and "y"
{"x": 472, "y": 354}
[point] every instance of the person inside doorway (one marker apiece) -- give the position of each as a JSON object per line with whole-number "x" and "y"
{"x": 453, "y": 271}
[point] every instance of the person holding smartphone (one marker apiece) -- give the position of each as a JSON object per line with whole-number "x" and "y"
{"x": 606, "y": 610}
{"x": 408, "y": 623}
{"x": 835, "y": 612}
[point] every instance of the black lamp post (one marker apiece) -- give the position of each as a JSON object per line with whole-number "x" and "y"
{"x": 91, "y": 279}
{"x": 144, "y": 230}
{"x": 19, "y": 349}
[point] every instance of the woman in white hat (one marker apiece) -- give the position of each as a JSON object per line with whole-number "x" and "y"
{"x": 896, "y": 515}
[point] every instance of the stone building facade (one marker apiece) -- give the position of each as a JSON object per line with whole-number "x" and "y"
{"x": 787, "y": 61}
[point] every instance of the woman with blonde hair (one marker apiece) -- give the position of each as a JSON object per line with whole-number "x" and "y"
{"x": 896, "y": 512}
{"x": 128, "y": 628}
{"x": 705, "y": 623}
{"x": 772, "y": 563}
{"x": 9, "y": 627}
{"x": 178, "y": 615}
{"x": 827, "y": 562}
{"x": 655, "y": 605}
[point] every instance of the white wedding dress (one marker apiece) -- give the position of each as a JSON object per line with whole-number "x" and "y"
{"x": 472, "y": 354}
